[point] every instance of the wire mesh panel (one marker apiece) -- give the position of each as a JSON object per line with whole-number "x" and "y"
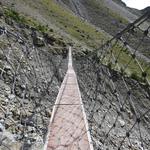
{"x": 27, "y": 74}
{"x": 115, "y": 88}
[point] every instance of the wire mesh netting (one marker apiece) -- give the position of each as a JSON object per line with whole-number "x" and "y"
{"x": 115, "y": 88}
{"x": 27, "y": 74}
{"x": 114, "y": 82}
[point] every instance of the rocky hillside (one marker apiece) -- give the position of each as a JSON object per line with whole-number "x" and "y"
{"x": 109, "y": 15}
{"x": 34, "y": 40}
{"x": 32, "y": 66}
{"x": 51, "y": 14}
{"x": 33, "y": 56}
{"x": 109, "y": 123}
{"x": 146, "y": 9}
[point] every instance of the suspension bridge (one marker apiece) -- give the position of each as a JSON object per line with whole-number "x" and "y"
{"x": 68, "y": 128}
{"x": 114, "y": 112}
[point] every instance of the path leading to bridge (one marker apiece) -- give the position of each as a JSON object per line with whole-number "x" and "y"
{"x": 68, "y": 128}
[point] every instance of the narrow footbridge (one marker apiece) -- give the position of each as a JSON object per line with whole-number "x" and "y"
{"x": 68, "y": 128}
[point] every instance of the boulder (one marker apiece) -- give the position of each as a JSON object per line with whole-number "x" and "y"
{"x": 2, "y": 128}
{"x": 11, "y": 96}
{"x": 122, "y": 122}
{"x": 38, "y": 41}
{"x": 49, "y": 39}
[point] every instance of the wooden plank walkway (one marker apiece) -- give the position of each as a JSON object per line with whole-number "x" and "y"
{"x": 68, "y": 128}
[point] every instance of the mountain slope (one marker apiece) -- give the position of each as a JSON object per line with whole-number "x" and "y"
{"x": 106, "y": 14}
{"x": 50, "y": 13}
{"x": 38, "y": 63}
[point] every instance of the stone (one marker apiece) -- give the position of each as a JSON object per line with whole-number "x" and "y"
{"x": 16, "y": 114}
{"x": 8, "y": 123}
{"x": 20, "y": 126}
{"x": 130, "y": 114}
{"x": 7, "y": 67}
{"x": 6, "y": 100}
{"x": 29, "y": 69}
{"x": 147, "y": 117}
{"x": 122, "y": 122}
{"x": 48, "y": 113}
{"x": 49, "y": 39}
{"x": 18, "y": 136}
{"x": 26, "y": 135}
{"x": 27, "y": 95}
{"x": 23, "y": 86}
{"x": 37, "y": 70}
{"x": 2, "y": 121}
{"x": 9, "y": 73}
{"x": 38, "y": 41}
{"x": 11, "y": 96}
{"x": 18, "y": 91}
{"x": 5, "y": 88}
{"x": 31, "y": 129}
{"x": 29, "y": 142}
{"x": 30, "y": 58}
{"x": 25, "y": 113}
{"x": 2, "y": 98}
{"x": 2, "y": 128}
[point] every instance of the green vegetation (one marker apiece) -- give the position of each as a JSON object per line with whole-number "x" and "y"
{"x": 70, "y": 23}
{"x": 86, "y": 33}
{"x": 127, "y": 62}
{"x": 10, "y": 13}
{"x": 102, "y": 8}
{"x": 15, "y": 16}
{"x": 65, "y": 20}
{"x": 118, "y": 17}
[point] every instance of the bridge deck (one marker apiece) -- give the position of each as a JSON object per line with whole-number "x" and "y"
{"x": 68, "y": 125}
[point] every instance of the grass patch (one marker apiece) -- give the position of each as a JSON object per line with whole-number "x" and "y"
{"x": 118, "y": 17}
{"x": 73, "y": 25}
{"x": 102, "y": 8}
{"x": 65, "y": 20}
{"x": 19, "y": 18}
{"x": 15, "y": 16}
{"x": 127, "y": 60}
